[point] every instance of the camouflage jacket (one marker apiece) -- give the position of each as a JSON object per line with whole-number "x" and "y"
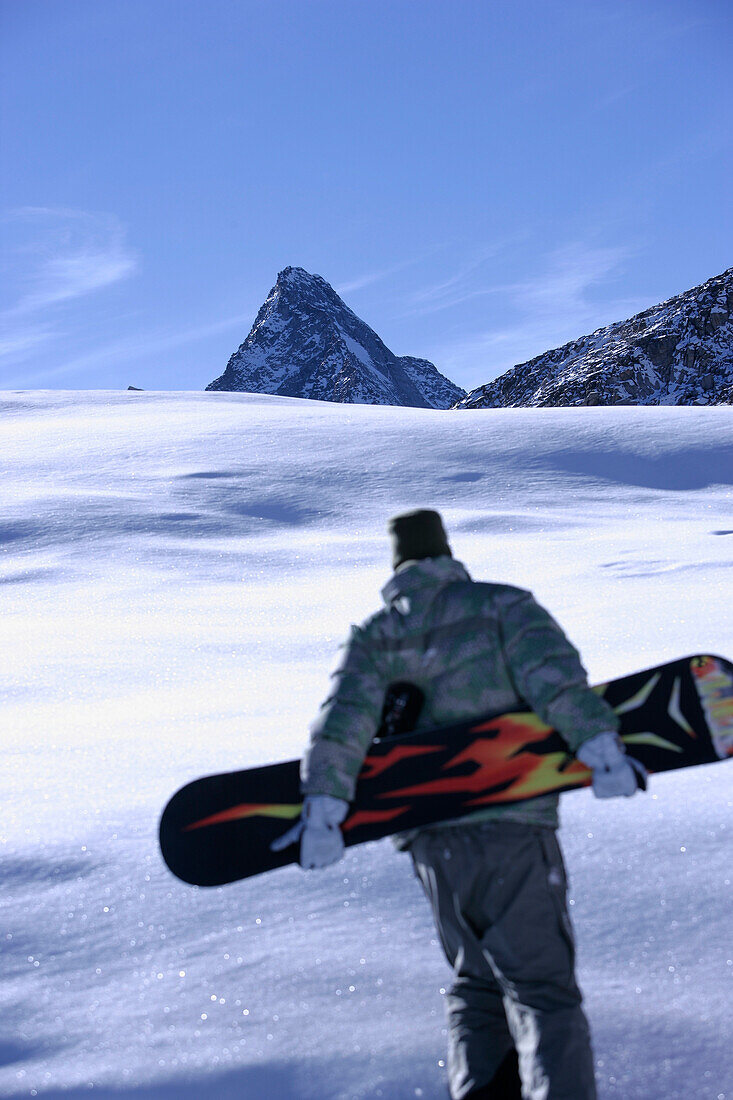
{"x": 473, "y": 648}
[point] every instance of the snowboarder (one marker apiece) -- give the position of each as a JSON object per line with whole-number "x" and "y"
{"x": 495, "y": 879}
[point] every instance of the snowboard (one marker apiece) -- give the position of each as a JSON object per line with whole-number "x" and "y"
{"x": 219, "y": 828}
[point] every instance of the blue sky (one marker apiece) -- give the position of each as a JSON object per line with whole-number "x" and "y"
{"x": 481, "y": 181}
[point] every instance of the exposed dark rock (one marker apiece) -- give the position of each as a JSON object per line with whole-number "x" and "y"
{"x": 306, "y": 342}
{"x": 677, "y": 353}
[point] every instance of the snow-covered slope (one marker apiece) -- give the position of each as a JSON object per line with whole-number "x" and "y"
{"x": 306, "y": 342}
{"x": 177, "y": 572}
{"x": 677, "y": 353}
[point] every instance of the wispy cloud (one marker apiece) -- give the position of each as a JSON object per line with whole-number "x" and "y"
{"x": 462, "y": 285}
{"x": 65, "y": 254}
{"x": 559, "y": 303}
{"x": 56, "y": 257}
{"x": 130, "y": 348}
{"x": 371, "y": 277}
{"x": 17, "y": 345}
{"x": 74, "y": 276}
{"x": 569, "y": 274}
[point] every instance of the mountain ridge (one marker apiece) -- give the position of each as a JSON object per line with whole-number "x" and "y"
{"x": 679, "y": 352}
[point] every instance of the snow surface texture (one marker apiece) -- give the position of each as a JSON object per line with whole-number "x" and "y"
{"x": 677, "y": 353}
{"x": 177, "y": 572}
{"x": 306, "y": 342}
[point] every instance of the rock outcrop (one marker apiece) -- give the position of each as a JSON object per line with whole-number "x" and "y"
{"x": 677, "y": 353}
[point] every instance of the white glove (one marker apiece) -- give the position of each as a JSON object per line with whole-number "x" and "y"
{"x": 317, "y": 829}
{"x": 614, "y": 773}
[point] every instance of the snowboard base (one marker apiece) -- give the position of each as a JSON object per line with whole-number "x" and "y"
{"x": 218, "y": 829}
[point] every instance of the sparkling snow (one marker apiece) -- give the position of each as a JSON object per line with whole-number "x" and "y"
{"x": 177, "y": 571}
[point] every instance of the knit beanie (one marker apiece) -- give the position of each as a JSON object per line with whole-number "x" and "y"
{"x": 417, "y": 535}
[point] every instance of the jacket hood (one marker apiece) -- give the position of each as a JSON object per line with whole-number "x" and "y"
{"x": 426, "y": 573}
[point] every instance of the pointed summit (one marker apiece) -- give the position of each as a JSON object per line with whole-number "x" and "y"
{"x": 306, "y": 342}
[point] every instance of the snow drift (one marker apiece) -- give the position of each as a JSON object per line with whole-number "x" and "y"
{"x": 177, "y": 572}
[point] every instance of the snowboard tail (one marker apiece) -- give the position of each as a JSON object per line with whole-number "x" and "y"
{"x": 218, "y": 829}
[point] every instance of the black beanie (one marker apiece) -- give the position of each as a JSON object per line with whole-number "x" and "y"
{"x": 417, "y": 535}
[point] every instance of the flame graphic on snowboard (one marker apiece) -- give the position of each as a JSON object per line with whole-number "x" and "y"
{"x": 218, "y": 829}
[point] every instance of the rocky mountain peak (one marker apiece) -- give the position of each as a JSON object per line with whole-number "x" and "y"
{"x": 306, "y": 342}
{"x": 299, "y": 277}
{"x": 297, "y": 283}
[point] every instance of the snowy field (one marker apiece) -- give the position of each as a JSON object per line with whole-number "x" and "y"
{"x": 177, "y": 571}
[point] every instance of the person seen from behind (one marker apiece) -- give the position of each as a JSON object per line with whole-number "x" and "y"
{"x": 495, "y": 879}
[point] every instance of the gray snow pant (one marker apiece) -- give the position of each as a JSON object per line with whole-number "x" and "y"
{"x": 498, "y": 893}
